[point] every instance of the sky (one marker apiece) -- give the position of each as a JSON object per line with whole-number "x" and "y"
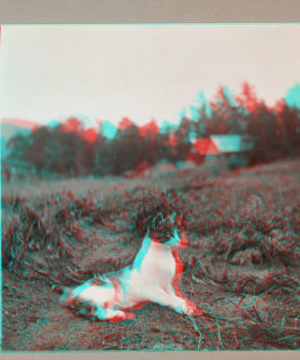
{"x": 144, "y": 72}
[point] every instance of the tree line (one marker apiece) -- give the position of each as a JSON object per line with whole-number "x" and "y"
{"x": 70, "y": 149}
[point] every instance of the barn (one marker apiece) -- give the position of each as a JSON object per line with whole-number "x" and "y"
{"x": 222, "y": 150}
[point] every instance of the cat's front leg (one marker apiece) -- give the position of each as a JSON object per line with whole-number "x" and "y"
{"x": 180, "y": 305}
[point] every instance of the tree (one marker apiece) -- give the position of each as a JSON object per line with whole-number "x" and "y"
{"x": 36, "y": 151}
{"x": 103, "y": 160}
{"x": 180, "y": 141}
{"x": 288, "y": 120}
{"x": 227, "y": 117}
{"x": 18, "y": 146}
{"x": 127, "y": 148}
{"x": 149, "y": 142}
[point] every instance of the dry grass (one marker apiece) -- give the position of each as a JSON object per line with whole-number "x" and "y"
{"x": 242, "y": 268}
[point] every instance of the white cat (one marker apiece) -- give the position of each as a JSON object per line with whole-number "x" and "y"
{"x": 153, "y": 276}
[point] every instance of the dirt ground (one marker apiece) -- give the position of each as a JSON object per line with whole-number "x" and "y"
{"x": 235, "y": 317}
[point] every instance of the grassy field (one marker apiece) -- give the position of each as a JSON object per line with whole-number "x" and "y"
{"x": 242, "y": 267}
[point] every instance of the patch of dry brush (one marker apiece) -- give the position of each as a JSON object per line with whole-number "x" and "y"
{"x": 245, "y": 277}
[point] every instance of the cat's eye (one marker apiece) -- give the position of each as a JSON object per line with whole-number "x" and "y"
{"x": 256, "y": 258}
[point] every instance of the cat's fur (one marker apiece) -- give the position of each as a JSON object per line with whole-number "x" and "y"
{"x": 153, "y": 276}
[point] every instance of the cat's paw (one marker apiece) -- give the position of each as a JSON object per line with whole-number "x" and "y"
{"x": 120, "y": 316}
{"x": 116, "y": 316}
{"x": 129, "y": 316}
{"x": 191, "y": 308}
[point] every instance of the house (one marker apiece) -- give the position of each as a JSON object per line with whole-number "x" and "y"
{"x": 232, "y": 148}
{"x": 205, "y": 146}
{"x": 195, "y": 157}
{"x": 221, "y": 150}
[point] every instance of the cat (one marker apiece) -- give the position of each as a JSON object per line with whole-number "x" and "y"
{"x": 153, "y": 276}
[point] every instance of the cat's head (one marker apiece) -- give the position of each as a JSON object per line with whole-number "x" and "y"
{"x": 166, "y": 230}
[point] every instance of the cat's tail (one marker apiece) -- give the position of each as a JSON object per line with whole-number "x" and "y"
{"x": 65, "y": 293}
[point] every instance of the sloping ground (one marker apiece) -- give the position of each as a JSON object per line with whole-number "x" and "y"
{"x": 242, "y": 268}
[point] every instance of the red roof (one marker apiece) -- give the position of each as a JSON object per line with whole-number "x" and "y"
{"x": 206, "y": 147}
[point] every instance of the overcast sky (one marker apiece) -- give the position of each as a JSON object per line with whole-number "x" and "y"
{"x": 142, "y": 72}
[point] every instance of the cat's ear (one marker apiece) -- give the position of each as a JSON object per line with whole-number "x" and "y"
{"x": 156, "y": 222}
{"x": 173, "y": 216}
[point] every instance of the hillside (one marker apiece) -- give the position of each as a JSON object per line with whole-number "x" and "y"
{"x": 10, "y": 128}
{"x": 241, "y": 268}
